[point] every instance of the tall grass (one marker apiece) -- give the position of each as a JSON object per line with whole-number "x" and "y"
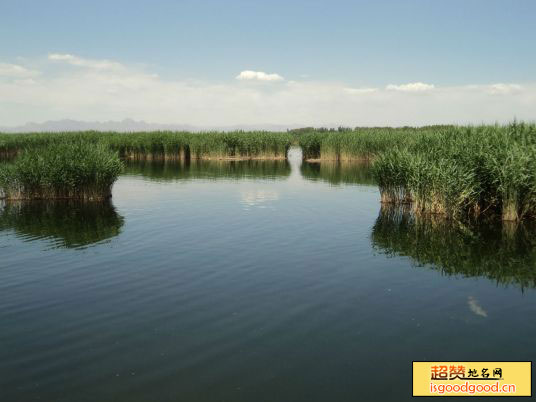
{"x": 463, "y": 171}
{"x": 453, "y": 171}
{"x": 12, "y": 144}
{"x": 85, "y": 165}
{"x": 357, "y": 144}
{"x": 164, "y": 145}
{"x": 69, "y": 170}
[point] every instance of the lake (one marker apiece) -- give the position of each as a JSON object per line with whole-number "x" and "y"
{"x": 251, "y": 281}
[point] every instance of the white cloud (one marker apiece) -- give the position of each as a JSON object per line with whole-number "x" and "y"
{"x": 93, "y": 92}
{"x": 258, "y": 76}
{"x": 258, "y": 198}
{"x": 25, "y": 81}
{"x": 411, "y": 87}
{"x": 500, "y": 88}
{"x": 16, "y": 71}
{"x": 360, "y": 91}
{"x": 62, "y": 57}
{"x": 88, "y": 63}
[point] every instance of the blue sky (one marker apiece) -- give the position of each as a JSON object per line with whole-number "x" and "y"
{"x": 352, "y": 44}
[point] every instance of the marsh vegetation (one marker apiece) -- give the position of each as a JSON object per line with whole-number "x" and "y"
{"x": 454, "y": 171}
{"x": 463, "y": 172}
{"x": 164, "y": 145}
{"x": 66, "y": 170}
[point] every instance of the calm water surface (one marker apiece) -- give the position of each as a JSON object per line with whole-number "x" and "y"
{"x": 250, "y": 281}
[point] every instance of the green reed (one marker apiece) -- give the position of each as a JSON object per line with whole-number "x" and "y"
{"x": 463, "y": 171}
{"x": 454, "y": 171}
{"x": 65, "y": 170}
{"x": 356, "y": 144}
{"x": 165, "y": 145}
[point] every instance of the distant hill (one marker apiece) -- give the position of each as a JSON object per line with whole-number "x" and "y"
{"x": 130, "y": 125}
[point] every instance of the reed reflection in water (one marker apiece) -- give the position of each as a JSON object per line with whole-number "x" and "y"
{"x": 337, "y": 173}
{"x": 505, "y": 253}
{"x": 67, "y": 224}
{"x": 169, "y": 170}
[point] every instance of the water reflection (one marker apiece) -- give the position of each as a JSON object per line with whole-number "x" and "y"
{"x": 259, "y": 198}
{"x": 67, "y": 224}
{"x": 503, "y": 253}
{"x": 337, "y": 173}
{"x": 202, "y": 169}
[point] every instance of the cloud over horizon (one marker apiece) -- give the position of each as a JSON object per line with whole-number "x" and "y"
{"x": 81, "y": 62}
{"x": 249, "y": 75}
{"x": 411, "y": 87}
{"x": 16, "y": 71}
{"x": 109, "y": 90}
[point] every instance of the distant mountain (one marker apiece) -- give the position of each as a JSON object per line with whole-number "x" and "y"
{"x": 130, "y": 125}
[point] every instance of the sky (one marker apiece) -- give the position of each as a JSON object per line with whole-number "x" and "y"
{"x": 352, "y": 63}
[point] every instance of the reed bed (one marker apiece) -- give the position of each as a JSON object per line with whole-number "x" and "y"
{"x": 164, "y": 145}
{"x": 463, "y": 172}
{"x": 453, "y": 171}
{"x": 12, "y": 144}
{"x": 69, "y": 170}
{"x": 85, "y": 165}
{"x": 360, "y": 144}
{"x": 186, "y": 146}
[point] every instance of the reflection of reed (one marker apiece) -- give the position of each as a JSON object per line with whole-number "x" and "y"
{"x": 338, "y": 172}
{"x": 204, "y": 169}
{"x": 473, "y": 249}
{"x": 70, "y": 224}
